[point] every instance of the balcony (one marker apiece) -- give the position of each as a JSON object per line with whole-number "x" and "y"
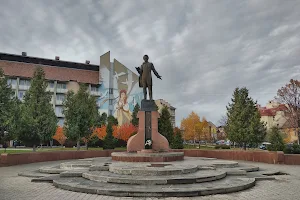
{"x": 13, "y": 86}
{"x": 61, "y": 90}
{"x": 24, "y": 87}
{"x": 59, "y": 114}
{"x": 59, "y": 102}
{"x": 95, "y": 93}
{"x": 49, "y": 89}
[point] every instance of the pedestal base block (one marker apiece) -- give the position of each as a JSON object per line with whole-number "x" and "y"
{"x": 137, "y": 142}
{"x": 146, "y": 151}
{"x": 147, "y": 157}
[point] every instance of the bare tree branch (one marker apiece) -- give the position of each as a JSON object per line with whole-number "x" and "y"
{"x": 290, "y": 96}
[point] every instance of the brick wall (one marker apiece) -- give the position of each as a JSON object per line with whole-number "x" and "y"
{"x": 292, "y": 159}
{"x": 32, "y": 157}
{"x": 254, "y": 156}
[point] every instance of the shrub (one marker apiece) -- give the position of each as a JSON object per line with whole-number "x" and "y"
{"x": 222, "y": 146}
{"x": 276, "y": 140}
{"x": 109, "y": 141}
{"x": 177, "y": 142}
{"x": 292, "y": 149}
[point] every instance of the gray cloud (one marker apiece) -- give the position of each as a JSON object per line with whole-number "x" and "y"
{"x": 203, "y": 49}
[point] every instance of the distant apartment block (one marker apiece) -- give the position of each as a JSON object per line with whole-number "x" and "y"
{"x": 105, "y": 81}
{"x": 274, "y": 114}
{"x": 162, "y": 103}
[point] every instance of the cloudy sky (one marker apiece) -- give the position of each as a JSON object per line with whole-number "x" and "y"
{"x": 203, "y": 49}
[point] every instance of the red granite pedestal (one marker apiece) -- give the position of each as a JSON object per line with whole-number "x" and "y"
{"x": 136, "y": 151}
{"x": 137, "y": 142}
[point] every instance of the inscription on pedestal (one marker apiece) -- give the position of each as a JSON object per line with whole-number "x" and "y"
{"x": 148, "y": 130}
{"x": 148, "y": 105}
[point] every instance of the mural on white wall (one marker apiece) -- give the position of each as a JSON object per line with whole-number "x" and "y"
{"x": 102, "y": 101}
{"x": 126, "y": 93}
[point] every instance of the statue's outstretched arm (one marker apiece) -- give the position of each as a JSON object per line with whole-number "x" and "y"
{"x": 155, "y": 72}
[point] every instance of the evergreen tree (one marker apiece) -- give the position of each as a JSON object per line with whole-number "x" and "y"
{"x": 15, "y": 123}
{"x": 103, "y": 119}
{"x": 6, "y": 106}
{"x": 243, "y": 125}
{"x": 177, "y": 142}
{"x": 109, "y": 141}
{"x": 37, "y": 113}
{"x": 276, "y": 140}
{"x": 135, "y": 119}
{"x": 165, "y": 125}
{"x": 258, "y": 129}
{"x": 112, "y": 120}
{"x": 81, "y": 113}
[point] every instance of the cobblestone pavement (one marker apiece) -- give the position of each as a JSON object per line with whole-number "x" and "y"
{"x": 14, "y": 187}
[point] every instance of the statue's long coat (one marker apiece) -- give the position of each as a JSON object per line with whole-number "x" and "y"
{"x": 146, "y": 76}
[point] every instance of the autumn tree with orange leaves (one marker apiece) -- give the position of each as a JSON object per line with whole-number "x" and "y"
{"x": 100, "y": 132}
{"x": 194, "y": 128}
{"x": 202, "y": 132}
{"x": 189, "y": 126}
{"x": 60, "y": 136}
{"x": 125, "y": 131}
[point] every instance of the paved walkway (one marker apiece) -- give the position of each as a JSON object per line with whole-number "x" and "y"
{"x": 14, "y": 187}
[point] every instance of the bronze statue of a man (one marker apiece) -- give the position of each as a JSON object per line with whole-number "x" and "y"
{"x": 146, "y": 76}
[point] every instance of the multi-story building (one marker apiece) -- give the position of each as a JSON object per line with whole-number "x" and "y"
{"x": 162, "y": 103}
{"x": 212, "y": 130}
{"x": 114, "y": 85}
{"x": 274, "y": 115}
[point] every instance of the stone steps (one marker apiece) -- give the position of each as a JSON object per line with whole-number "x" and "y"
{"x": 197, "y": 177}
{"x": 227, "y": 185}
{"x": 152, "y": 169}
{"x": 191, "y": 177}
{"x": 33, "y": 174}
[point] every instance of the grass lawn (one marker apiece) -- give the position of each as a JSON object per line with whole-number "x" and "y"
{"x": 188, "y": 146}
{"x": 14, "y": 151}
{"x": 210, "y": 147}
{"x": 27, "y": 150}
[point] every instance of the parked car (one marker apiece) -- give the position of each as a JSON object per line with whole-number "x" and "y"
{"x": 224, "y": 142}
{"x": 264, "y": 145}
{"x": 220, "y": 142}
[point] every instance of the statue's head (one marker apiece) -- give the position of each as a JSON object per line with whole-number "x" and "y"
{"x": 146, "y": 58}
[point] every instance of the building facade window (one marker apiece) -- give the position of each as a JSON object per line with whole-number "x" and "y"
{"x": 24, "y": 82}
{"x": 61, "y": 122}
{"x": 61, "y": 86}
{"x": 94, "y": 88}
{"x": 11, "y": 82}
{"x": 21, "y": 95}
{"x": 59, "y": 111}
{"x": 51, "y": 85}
{"x": 60, "y": 97}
